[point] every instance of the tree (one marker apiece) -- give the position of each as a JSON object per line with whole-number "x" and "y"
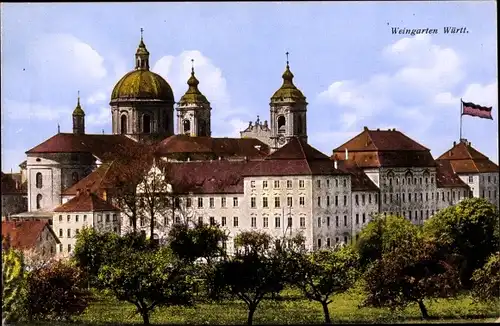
{"x": 467, "y": 234}
{"x": 381, "y": 234}
{"x": 56, "y": 291}
{"x": 250, "y": 274}
{"x": 13, "y": 285}
{"x": 148, "y": 279}
{"x": 410, "y": 271}
{"x": 486, "y": 280}
{"x": 321, "y": 274}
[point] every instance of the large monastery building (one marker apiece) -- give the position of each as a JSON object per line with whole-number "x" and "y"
{"x": 270, "y": 179}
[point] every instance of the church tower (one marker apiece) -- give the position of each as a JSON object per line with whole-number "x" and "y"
{"x": 193, "y": 111}
{"x": 142, "y": 102}
{"x": 78, "y": 118}
{"x": 288, "y": 112}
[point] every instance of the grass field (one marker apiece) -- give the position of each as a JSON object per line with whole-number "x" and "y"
{"x": 292, "y": 309}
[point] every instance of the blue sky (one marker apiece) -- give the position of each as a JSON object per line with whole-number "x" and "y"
{"x": 352, "y": 69}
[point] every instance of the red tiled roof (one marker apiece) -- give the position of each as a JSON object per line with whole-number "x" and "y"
{"x": 208, "y": 147}
{"x": 294, "y": 158}
{"x": 99, "y": 145}
{"x": 11, "y": 185}
{"x": 446, "y": 177}
{"x": 25, "y": 234}
{"x": 384, "y": 148}
{"x": 466, "y": 159}
{"x": 86, "y": 201}
{"x": 359, "y": 180}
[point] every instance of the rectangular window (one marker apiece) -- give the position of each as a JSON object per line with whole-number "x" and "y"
{"x": 235, "y": 221}
{"x": 254, "y": 222}
{"x": 376, "y": 198}
{"x": 290, "y": 222}
{"x": 69, "y": 233}
{"x": 336, "y": 200}
{"x": 252, "y": 184}
{"x": 409, "y": 215}
{"x": 301, "y": 183}
{"x": 264, "y": 202}
{"x": 409, "y": 197}
{"x": 318, "y": 183}
{"x": 489, "y": 179}
{"x": 277, "y": 221}
{"x": 69, "y": 247}
{"x": 345, "y": 220}
{"x": 223, "y": 221}
{"x": 345, "y": 200}
{"x": 212, "y": 220}
{"x": 265, "y": 222}
{"x": 327, "y": 183}
{"x": 235, "y": 201}
{"x": 60, "y": 233}
{"x": 357, "y": 219}
{"x": 99, "y": 218}
{"x": 327, "y": 200}
{"x": 442, "y": 196}
{"x": 200, "y": 220}
{"x": 302, "y": 201}
{"x": 319, "y": 243}
{"x": 385, "y": 198}
{"x": 356, "y": 199}
{"x": 77, "y": 231}
{"x": 421, "y": 197}
{"x": 76, "y": 218}
{"x": 336, "y": 221}
{"x": 200, "y": 202}
{"x": 115, "y": 218}
{"x": 390, "y": 198}
{"x": 60, "y": 218}
{"x": 328, "y": 242}
{"x": 289, "y": 184}
{"x": 264, "y": 184}
{"x": 276, "y": 184}
{"x": 302, "y": 222}
{"x": 211, "y": 202}
{"x": 319, "y": 201}
{"x": 364, "y": 218}
{"x": 336, "y": 239}
{"x": 223, "y": 202}
{"x": 188, "y": 202}
{"x": 363, "y": 199}
{"x": 336, "y": 182}
{"x": 289, "y": 201}
{"x": 253, "y": 202}
{"x": 319, "y": 222}
{"x": 276, "y": 202}
{"x": 107, "y": 218}
{"x": 328, "y": 221}
{"x": 345, "y": 239}
{"x": 403, "y": 199}
{"x": 69, "y": 218}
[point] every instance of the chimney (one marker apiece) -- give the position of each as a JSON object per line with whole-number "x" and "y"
{"x": 188, "y": 159}
{"x": 365, "y": 128}
{"x": 335, "y": 164}
{"x": 454, "y": 143}
{"x": 346, "y": 154}
{"x": 378, "y": 129}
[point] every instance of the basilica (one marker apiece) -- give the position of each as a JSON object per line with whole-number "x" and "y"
{"x": 270, "y": 179}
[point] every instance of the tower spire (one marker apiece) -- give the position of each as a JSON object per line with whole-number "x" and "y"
{"x": 142, "y": 54}
{"x": 78, "y": 118}
{"x": 142, "y": 30}
{"x": 287, "y": 59}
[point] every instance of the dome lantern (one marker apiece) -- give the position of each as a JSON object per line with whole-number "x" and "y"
{"x": 142, "y": 55}
{"x": 193, "y": 94}
{"x": 288, "y": 90}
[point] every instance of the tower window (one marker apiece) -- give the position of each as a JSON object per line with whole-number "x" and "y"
{"x": 281, "y": 124}
{"x": 38, "y": 201}
{"x": 186, "y": 125}
{"x": 123, "y": 124}
{"x": 299, "y": 125}
{"x": 165, "y": 122}
{"x": 39, "y": 180}
{"x": 202, "y": 130}
{"x": 146, "y": 124}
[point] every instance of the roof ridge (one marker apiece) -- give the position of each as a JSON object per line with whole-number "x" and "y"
{"x": 304, "y": 153}
{"x": 371, "y": 139}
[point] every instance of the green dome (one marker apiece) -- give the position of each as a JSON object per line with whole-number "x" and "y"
{"x": 142, "y": 84}
{"x": 78, "y": 111}
{"x": 288, "y": 90}
{"x": 193, "y": 94}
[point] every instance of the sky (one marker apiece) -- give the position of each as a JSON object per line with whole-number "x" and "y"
{"x": 353, "y": 70}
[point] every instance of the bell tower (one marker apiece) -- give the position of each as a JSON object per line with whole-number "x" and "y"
{"x": 193, "y": 110}
{"x": 288, "y": 111}
{"x": 78, "y": 118}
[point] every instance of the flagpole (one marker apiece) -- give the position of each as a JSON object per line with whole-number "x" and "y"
{"x": 461, "y": 115}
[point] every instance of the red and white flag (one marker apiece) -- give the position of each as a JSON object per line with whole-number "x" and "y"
{"x": 469, "y": 108}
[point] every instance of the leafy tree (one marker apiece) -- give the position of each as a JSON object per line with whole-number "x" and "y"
{"x": 486, "y": 280}
{"x": 321, "y": 274}
{"x": 56, "y": 291}
{"x": 13, "y": 285}
{"x": 148, "y": 279}
{"x": 380, "y": 234}
{"x": 410, "y": 271}
{"x": 467, "y": 234}
{"x": 250, "y": 274}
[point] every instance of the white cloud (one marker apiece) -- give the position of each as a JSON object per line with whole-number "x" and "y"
{"x": 66, "y": 58}
{"x": 99, "y": 118}
{"x": 97, "y": 97}
{"x": 17, "y": 110}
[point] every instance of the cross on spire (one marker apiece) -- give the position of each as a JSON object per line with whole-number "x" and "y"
{"x": 78, "y": 97}
{"x": 142, "y": 30}
{"x": 192, "y": 66}
{"x": 287, "y": 57}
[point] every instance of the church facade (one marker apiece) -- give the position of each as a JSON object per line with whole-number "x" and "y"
{"x": 270, "y": 179}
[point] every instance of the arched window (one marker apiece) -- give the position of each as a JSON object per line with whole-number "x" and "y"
{"x": 146, "y": 124}
{"x": 186, "y": 125}
{"x": 281, "y": 124}
{"x": 38, "y": 201}
{"x": 123, "y": 124}
{"x": 74, "y": 176}
{"x": 39, "y": 180}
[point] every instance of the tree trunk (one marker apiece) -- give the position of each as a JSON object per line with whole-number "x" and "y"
{"x": 145, "y": 317}
{"x": 326, "y": 312}
{"x": 251, "y": 310}
{"x": 423, "y": 309}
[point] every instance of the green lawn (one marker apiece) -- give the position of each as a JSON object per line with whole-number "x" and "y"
{"x": 291, "y": 310}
